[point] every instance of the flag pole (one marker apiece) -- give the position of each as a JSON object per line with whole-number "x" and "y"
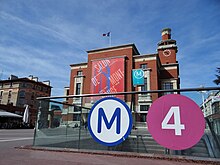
{"x": 110, "y": 39}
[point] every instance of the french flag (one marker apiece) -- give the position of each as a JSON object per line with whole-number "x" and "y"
{"x": 106, "y": 34}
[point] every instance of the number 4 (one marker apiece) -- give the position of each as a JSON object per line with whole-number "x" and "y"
{"x": 177, "y": 126}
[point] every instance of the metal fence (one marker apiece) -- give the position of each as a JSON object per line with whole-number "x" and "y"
{"x": 64, "y": 125}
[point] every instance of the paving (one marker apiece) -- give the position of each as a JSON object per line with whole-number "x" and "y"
{"x": 16, "y": 148}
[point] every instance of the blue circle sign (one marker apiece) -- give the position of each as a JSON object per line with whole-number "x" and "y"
{"x": 110, "y": 121}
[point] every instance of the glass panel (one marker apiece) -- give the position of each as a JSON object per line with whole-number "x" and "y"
{"x": 66, "y": 126}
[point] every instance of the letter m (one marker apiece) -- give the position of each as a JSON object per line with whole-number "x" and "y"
{"x": 101, "y": 115}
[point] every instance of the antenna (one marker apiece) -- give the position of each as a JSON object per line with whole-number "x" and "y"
{"x": 1, "y": 74}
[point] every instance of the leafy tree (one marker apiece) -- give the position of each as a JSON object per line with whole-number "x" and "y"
{"x": 217, "y": 80}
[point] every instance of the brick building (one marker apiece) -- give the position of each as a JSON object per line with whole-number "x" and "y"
{"x": 211, "y": 110}
{"x": 21, "y": 91}
{"x": 109, "y": 70}
{"x": 16, "y": 92}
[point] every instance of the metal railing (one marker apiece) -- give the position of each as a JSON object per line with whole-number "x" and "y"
{"x": 72, "y": 132}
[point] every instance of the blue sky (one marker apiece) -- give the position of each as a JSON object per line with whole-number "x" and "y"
{"x": 43, "y": 37}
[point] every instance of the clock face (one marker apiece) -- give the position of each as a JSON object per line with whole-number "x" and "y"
{"x": 166, "y": 52}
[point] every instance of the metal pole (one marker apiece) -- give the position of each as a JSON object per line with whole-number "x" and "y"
{"x": 80, "y": 122}
{"x": 133, "y": 92}
{"x": 110, "y": 39}
{"x": 36, "y": 123}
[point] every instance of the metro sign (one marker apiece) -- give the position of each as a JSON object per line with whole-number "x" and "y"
{"x": 110, "y": 121}
{"x": 175, "y": 122}
{"x": 138, "y": 77}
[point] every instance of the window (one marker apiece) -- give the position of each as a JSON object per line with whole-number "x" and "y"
{"x": 67, "y": 92}
{"x": 144, "y": 107}
{"x": 167, "y": 85}
{"x": 143, "y": 117}
{"x": 32, "y": 96}
{"x": 30, "y": 86}
{"x": 76, "y": 117}
{"x": 22, "y": 94}
{"x": 35, "y": 87}
{"x": 9, "y": 94}
{"x": 23, "y": 85}
{"x": 45, "y": 89}
{"x": 1, "y": 93}
{"x": 21, "y": 102}
{"x": 216, "y": 107}
{"x": 78, "y": 88}
{"x": 79, "y": 73}
{"x": 77, "y": 109}
{"x": 144, "y": 87}
{"x": 55, "y": 107}
{"x": 143, "y": 66}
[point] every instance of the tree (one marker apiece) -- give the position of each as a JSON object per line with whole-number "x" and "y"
{"x": 217, "y": 80}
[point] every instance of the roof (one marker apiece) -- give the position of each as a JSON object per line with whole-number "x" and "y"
{"x": 79, "y": 64}
{"x": 24, "y": 80}
{"x": 115, "y": 47}
{"x": 9, "y": 114}
{"x": 145, "y": 55}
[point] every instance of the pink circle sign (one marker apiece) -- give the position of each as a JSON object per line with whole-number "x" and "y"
{"x": 175, "y": 122}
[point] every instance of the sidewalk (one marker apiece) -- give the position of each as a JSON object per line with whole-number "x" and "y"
{"x": 16, "y": 149}
{"x": 27, "y": 155}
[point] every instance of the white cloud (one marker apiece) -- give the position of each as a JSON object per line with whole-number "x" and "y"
{"x": 44, "y": 38}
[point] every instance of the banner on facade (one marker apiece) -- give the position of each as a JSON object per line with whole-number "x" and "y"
{"x": 107, "y": 75}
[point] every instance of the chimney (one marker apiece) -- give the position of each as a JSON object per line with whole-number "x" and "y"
{"x": 166, "y": 34}
{"x": 46, "y": 82}
{"x": 30, "y": 77}
{"x": 13, "y": 77}
{"x": 35, "y": 79}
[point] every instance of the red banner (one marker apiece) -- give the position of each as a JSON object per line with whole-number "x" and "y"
{"x": 107, "y": 75}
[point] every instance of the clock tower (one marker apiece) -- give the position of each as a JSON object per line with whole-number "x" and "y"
{"x": 167, "y": 48}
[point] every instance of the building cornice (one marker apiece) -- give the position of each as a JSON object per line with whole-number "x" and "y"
{"x": 145, "y": 57}
{"x": 166, "y": 46}
{"x": 25, "y": 80}
{"x": 79, "y": 64}
{"x": 113, "y": 48}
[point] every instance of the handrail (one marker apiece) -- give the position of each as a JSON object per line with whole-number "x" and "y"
{"x": 53, "y": 101}
{"x": 133, "y": 92}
